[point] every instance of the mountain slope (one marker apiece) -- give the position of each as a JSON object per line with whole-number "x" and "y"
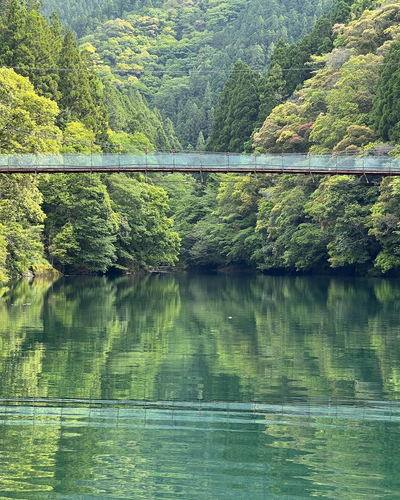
{"x": 179, "y": 54}
{"x": 334, "y": 109}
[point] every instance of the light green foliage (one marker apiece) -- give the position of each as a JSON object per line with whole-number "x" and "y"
{"x": 81, "y": 227}
{"x": 307, "y": 228}
{"x": 284, "y": 229}
{"x": 128, "y": 112}
{"x": 272, "y": 222}
{"x": 166, "y": 87}
{"x": 348, "y": 103}
{"x": 22, "y": 108}
{"x": 79, "y": 139}
{"x": 281, "y": 81}
{"x": 357, "y": 137}
{"x": 145, "y": 232}
{"x": 339, "y": 96}
{"x": 386, "y": 224}
{"x": 238, "y": 200}
{"x": 36, "y": 49}
{"x": 330, "y": 113}
{"x": 341, "y": 207}
{"x": 289, "y": 125}
{"x": 193, "y": 204}
{"x": 27, "y": 41}
{"x": 374, "y": 30}
{"x": 216, "y": 218}
{"x": 21, "y": 219}
{"x": 21, "y": 216}
{"x": 281, "y": 130}
{"x": 136, "y": 142}
{"x": 334, "y": 111}
{"x": 152, "y": 47}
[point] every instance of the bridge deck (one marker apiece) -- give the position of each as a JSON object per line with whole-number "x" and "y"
{"x": 206, "y": 162}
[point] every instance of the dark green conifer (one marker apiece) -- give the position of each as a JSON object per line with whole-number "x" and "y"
{"x": 75, "y": 102}
{"x": 236, "y": 112}
{"x": 81, "y": 90}
{"x": 386, "y": 110}
{"x": 26, "y": 43}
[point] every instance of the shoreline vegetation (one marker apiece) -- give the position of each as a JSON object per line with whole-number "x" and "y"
{"x": 332, "y": 86}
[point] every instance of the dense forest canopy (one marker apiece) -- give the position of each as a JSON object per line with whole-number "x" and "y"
{"x": 70, "y": 97}
{"x": 178, "y": 55}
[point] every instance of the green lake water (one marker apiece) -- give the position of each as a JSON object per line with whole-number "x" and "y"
{"x": 200, "y": 387}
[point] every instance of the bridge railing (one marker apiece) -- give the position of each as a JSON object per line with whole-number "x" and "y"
{"x": 223, "y": 162}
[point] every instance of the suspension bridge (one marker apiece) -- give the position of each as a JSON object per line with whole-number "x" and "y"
{"x": 200, "y": 162}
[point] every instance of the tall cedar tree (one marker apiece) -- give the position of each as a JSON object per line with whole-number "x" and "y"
{"x": 237, "y": 111}
{"x": 247, "y": 100}
{"x": 26, "y": 41}
{"x": 386, "y": 110}
{"x": 320, "y": 41}
{"x": 81, "y": 90}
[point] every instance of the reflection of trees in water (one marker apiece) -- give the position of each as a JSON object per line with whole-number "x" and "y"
{"x": 286, "y": 337}
{"x": 245, "y": 338}
{"x": 61, "y": 344}
{"x": 21, "y": 351}
{"x": 196, "y": 337}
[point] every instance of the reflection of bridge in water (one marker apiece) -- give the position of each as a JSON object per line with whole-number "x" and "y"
{"x": 201, "y": 162}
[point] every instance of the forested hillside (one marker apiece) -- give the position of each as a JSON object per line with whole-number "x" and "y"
{"x": 333, "y": 91}
{"x": 77, "y": 223}
{"x": 178, "y": 55}
{"x": 349, "y": 105}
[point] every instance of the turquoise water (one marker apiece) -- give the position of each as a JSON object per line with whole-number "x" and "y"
{"x": 211, "y": 387}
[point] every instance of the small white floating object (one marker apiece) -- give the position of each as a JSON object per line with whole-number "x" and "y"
{"x": 27, "y": 304}
{"x": 229, "y": 317}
